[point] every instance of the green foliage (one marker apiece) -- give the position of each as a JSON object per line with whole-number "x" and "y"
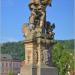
{"x": 62, "y": 54}
{"x": 62, "y": 59}
{"x": 67, "y": 44}
{"x": 10, "y": 73}
{"x": 16, "y": 49}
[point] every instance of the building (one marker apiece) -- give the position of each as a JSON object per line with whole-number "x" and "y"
{"x": 8, "y": 64}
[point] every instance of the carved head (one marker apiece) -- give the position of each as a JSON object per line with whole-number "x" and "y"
{"x": 46, "y": 2}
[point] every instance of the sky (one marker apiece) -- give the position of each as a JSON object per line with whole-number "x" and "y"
{"x": 14, "y": 13}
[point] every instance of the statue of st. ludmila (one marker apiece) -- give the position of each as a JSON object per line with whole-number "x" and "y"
{"x": 39, "y": 41}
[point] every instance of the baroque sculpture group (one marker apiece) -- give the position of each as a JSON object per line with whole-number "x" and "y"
{"x": 39, "y": 41}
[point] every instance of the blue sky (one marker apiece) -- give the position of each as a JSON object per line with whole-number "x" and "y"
{"x": 16, "y": 12}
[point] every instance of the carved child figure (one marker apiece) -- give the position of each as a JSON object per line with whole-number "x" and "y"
{"x": 33, "y": 15}
{"x": 41, "y": 11}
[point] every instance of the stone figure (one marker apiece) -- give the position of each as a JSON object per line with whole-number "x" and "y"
{"x": 46, "y": 55}
{"x": 38, "y": 7}
{"x": 35, "y": 57}
{"x": 37, "y": 15}
{"x": 41, "y": 10}
{"x": 45, "y": 2}
{"x": 49, "y": 29}
{"x": 33, "y": 15}
{"x": 26, "y": 29}
{"x": 34, "y": 1}
{"x": 39, "y": 41}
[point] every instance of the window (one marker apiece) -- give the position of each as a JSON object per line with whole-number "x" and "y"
{"x": 2, "y": 64}
{"x": 6, "y": 64}
{"x": 2, "y": 67}
{"x": 10, "y": 64}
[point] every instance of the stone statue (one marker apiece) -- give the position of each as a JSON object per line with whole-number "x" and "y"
{"x": 41, "y": 10}
{"x": 38, "y": 7}
{"x": 49, "y": 29}
{"x": 39, "y": 40}
{"x": 33, "y": 15}
{"x": 37, "y": 15}
{"x": 27, "y": 31}
{"x": 45, "y": 2}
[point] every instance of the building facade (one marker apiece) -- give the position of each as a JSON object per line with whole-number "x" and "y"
{"x": 8, "y": 64}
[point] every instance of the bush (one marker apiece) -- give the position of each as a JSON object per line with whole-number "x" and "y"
{"x": 62, "y": 59}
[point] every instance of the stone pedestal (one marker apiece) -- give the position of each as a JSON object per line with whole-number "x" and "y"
{"x": 49, "y": 71}
{"x": 26, "y": 70}
{"x": 45, "y": 70}
{"x": 39, "y": 70}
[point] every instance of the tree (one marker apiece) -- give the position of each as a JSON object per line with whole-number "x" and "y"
{"x": 62, "y": 59}
{"x": 15, "y": 49}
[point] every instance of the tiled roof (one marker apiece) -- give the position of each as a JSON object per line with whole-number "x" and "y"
{"x": 5, "y": 57}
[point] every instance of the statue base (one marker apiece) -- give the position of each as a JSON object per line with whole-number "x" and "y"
{"x": 39, "y": 70}
{"x": 45, "y": 70}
